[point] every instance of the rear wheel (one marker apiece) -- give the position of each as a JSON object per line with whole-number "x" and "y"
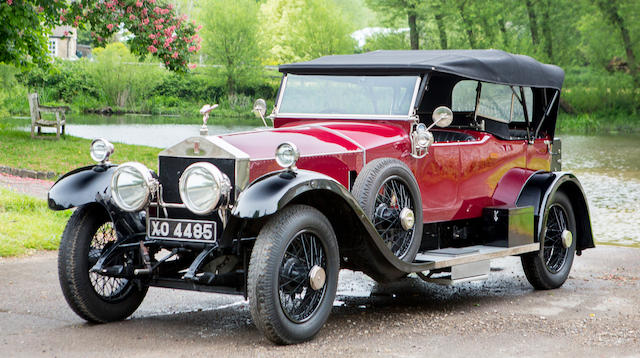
{"x": 549, "y": 268}
{"x": 94, "y": 297}
{"x": 389, "y": 195}
{"x": 293, "y": 275}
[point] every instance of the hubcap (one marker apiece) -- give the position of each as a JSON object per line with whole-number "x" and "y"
{"x": 407, "y": 219}
{"x": 567, "y": 239}
{"x": 317, "y": 277}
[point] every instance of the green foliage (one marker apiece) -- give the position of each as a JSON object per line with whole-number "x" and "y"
{"x": 231, "y": 40}
{"x": 27, "y": 224}
{"x": 394, "y": 40}
{"x": 158, "y": 29}
{"x": 122, "y": 81}
{"x": 298, "y": 30}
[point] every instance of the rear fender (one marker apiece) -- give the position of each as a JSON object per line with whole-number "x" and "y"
{"x": 539, "y": 190}
{"x": 91, "y": 185}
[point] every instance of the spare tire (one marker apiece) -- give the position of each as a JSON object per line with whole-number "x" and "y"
{"x": 389, "y": 194}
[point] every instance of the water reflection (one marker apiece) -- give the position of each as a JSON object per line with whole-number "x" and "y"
{"x": 608, "y": 167}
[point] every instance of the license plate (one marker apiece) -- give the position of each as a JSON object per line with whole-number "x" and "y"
{"x": 174, "y": 229}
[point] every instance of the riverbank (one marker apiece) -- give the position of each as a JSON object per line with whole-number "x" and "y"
{"x": 18, "y": 150}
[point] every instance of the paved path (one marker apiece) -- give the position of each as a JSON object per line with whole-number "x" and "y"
{"x": 596, "y": 314}
{"x": 35, "y": 187}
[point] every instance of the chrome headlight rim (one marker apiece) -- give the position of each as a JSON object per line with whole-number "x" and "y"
{"x": 108, "y": 150}
{"x": 148, "y": 187}
{"x": 222, "y": 192}
{"x": 287, "y": 164}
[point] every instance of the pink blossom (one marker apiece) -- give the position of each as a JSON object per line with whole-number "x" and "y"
{"x": 192, "y": 48}
{"x": 192, "y": 66}
{"x": 132, "y": 17}
{"x": 9, "y": 2}
{"x": 198, "y": 28}
{"x": 62, "y": 18}
{"x": 152, "y": 36}
{"x": 66, "y": 33}
{"x": 145, "y": 21}
{"x": 139, "y": 3}
{"x": 152, "y": 49}
{"x": 110, "y": 27}
{"x": 175, "y": 55}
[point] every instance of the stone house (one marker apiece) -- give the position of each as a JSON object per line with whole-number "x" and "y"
{"x": 63, "y": 42}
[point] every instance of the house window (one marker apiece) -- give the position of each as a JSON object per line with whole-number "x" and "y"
{"x": 53, "y": 47}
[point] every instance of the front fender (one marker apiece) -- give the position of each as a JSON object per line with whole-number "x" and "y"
{"x": 274, "y": 191}
{"x": 81, "y": 186}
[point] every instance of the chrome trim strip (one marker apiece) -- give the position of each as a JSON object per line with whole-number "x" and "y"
{"x": 169, "y": 205}
{"x": 341, "y": 116}
{"x": 239, "y": 154}
{"x": 344, "y": 136}
{"x": 242, "y": 160}
{"x": 483, "y": 140}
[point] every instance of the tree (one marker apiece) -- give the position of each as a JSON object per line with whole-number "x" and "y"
{"x": 396, "y": 8}
{"x": 298, "y": 30}
{"x": 158, "y": 30}
{"x": 230, "y": 38}
{"x": 612, "y": 13}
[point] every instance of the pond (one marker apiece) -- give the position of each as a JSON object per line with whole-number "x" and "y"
{"x": 608, "y": 166}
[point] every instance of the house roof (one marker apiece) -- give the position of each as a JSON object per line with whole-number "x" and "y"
{"x": 483, "y": 65}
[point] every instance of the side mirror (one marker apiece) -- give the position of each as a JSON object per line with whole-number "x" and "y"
{"x": 260, "y": 109}
{"x": 442, "y": 117}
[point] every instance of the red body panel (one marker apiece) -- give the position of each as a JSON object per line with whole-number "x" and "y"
{"x": 457, "y": 179}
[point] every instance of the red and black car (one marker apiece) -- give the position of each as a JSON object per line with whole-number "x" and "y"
{"x": 428, "y": 163}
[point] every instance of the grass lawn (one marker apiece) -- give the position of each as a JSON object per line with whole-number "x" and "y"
{"x": 27, "y": 224}
{"x": 18, "y": 150}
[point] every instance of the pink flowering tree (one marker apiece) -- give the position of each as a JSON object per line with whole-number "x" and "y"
{"x": 158, "y": 29}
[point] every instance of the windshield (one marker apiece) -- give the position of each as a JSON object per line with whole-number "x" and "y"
{"x": 348, "y": 95}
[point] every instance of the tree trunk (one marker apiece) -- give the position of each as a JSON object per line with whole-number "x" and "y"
{"x": 533, "y": 22}
{"x": 503, "y": 31}
{"x": 546, "y": 29}
{"x": 610, "y": 10}
{"x": 413, "y": 30}
{"x": 467, "y": 24}
{"x": 442, "y": 31}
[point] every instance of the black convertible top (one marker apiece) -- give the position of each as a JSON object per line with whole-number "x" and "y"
{"x": 483, "y": 65}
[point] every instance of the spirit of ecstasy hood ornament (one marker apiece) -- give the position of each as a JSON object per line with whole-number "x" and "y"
{"x": 205, "y": 116}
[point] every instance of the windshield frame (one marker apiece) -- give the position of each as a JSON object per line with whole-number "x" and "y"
{"x": 412, "y": 106}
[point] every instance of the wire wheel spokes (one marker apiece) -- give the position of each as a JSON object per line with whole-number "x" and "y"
{"x": 298, "y": 299}
{"x": 554, "y": 252}
{"x": 108, "y": 288}
{"x": 393, "y": 196}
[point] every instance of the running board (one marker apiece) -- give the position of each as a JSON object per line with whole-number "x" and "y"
{"x": 443, "y": 258}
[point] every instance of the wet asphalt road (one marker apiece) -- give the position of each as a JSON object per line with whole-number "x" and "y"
{"x": 596, "y": 313}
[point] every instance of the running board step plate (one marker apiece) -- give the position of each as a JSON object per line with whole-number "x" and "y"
{"x": 436, "y": 259}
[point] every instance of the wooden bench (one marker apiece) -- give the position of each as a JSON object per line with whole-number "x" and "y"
{"x": 36, "y": 116}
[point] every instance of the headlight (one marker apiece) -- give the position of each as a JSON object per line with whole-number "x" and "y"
{"x": 101, "y": 150}
{"x": 202, "y": 187}
{"x": 131, "y": 186}
{"x": 287, "y": 155}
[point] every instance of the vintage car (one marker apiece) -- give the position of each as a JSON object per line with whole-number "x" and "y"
{"x": 393, "y": 163}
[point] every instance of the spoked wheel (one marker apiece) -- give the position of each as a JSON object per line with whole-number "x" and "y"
{"x": 302, "y": 276}
{"x": 393, "y": 207}
{"x": 293, "y": 275}
{"x": 389, "y": 195}
{"x": 94, "y": 297}
{"x": 549, "y": 268}
{"x": 108, "y": 288}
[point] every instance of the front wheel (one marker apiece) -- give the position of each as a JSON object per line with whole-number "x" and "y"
{"x": 549, "y": 268}
{"x": 293, "y": 275}
{"x": 94, "y": 297}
